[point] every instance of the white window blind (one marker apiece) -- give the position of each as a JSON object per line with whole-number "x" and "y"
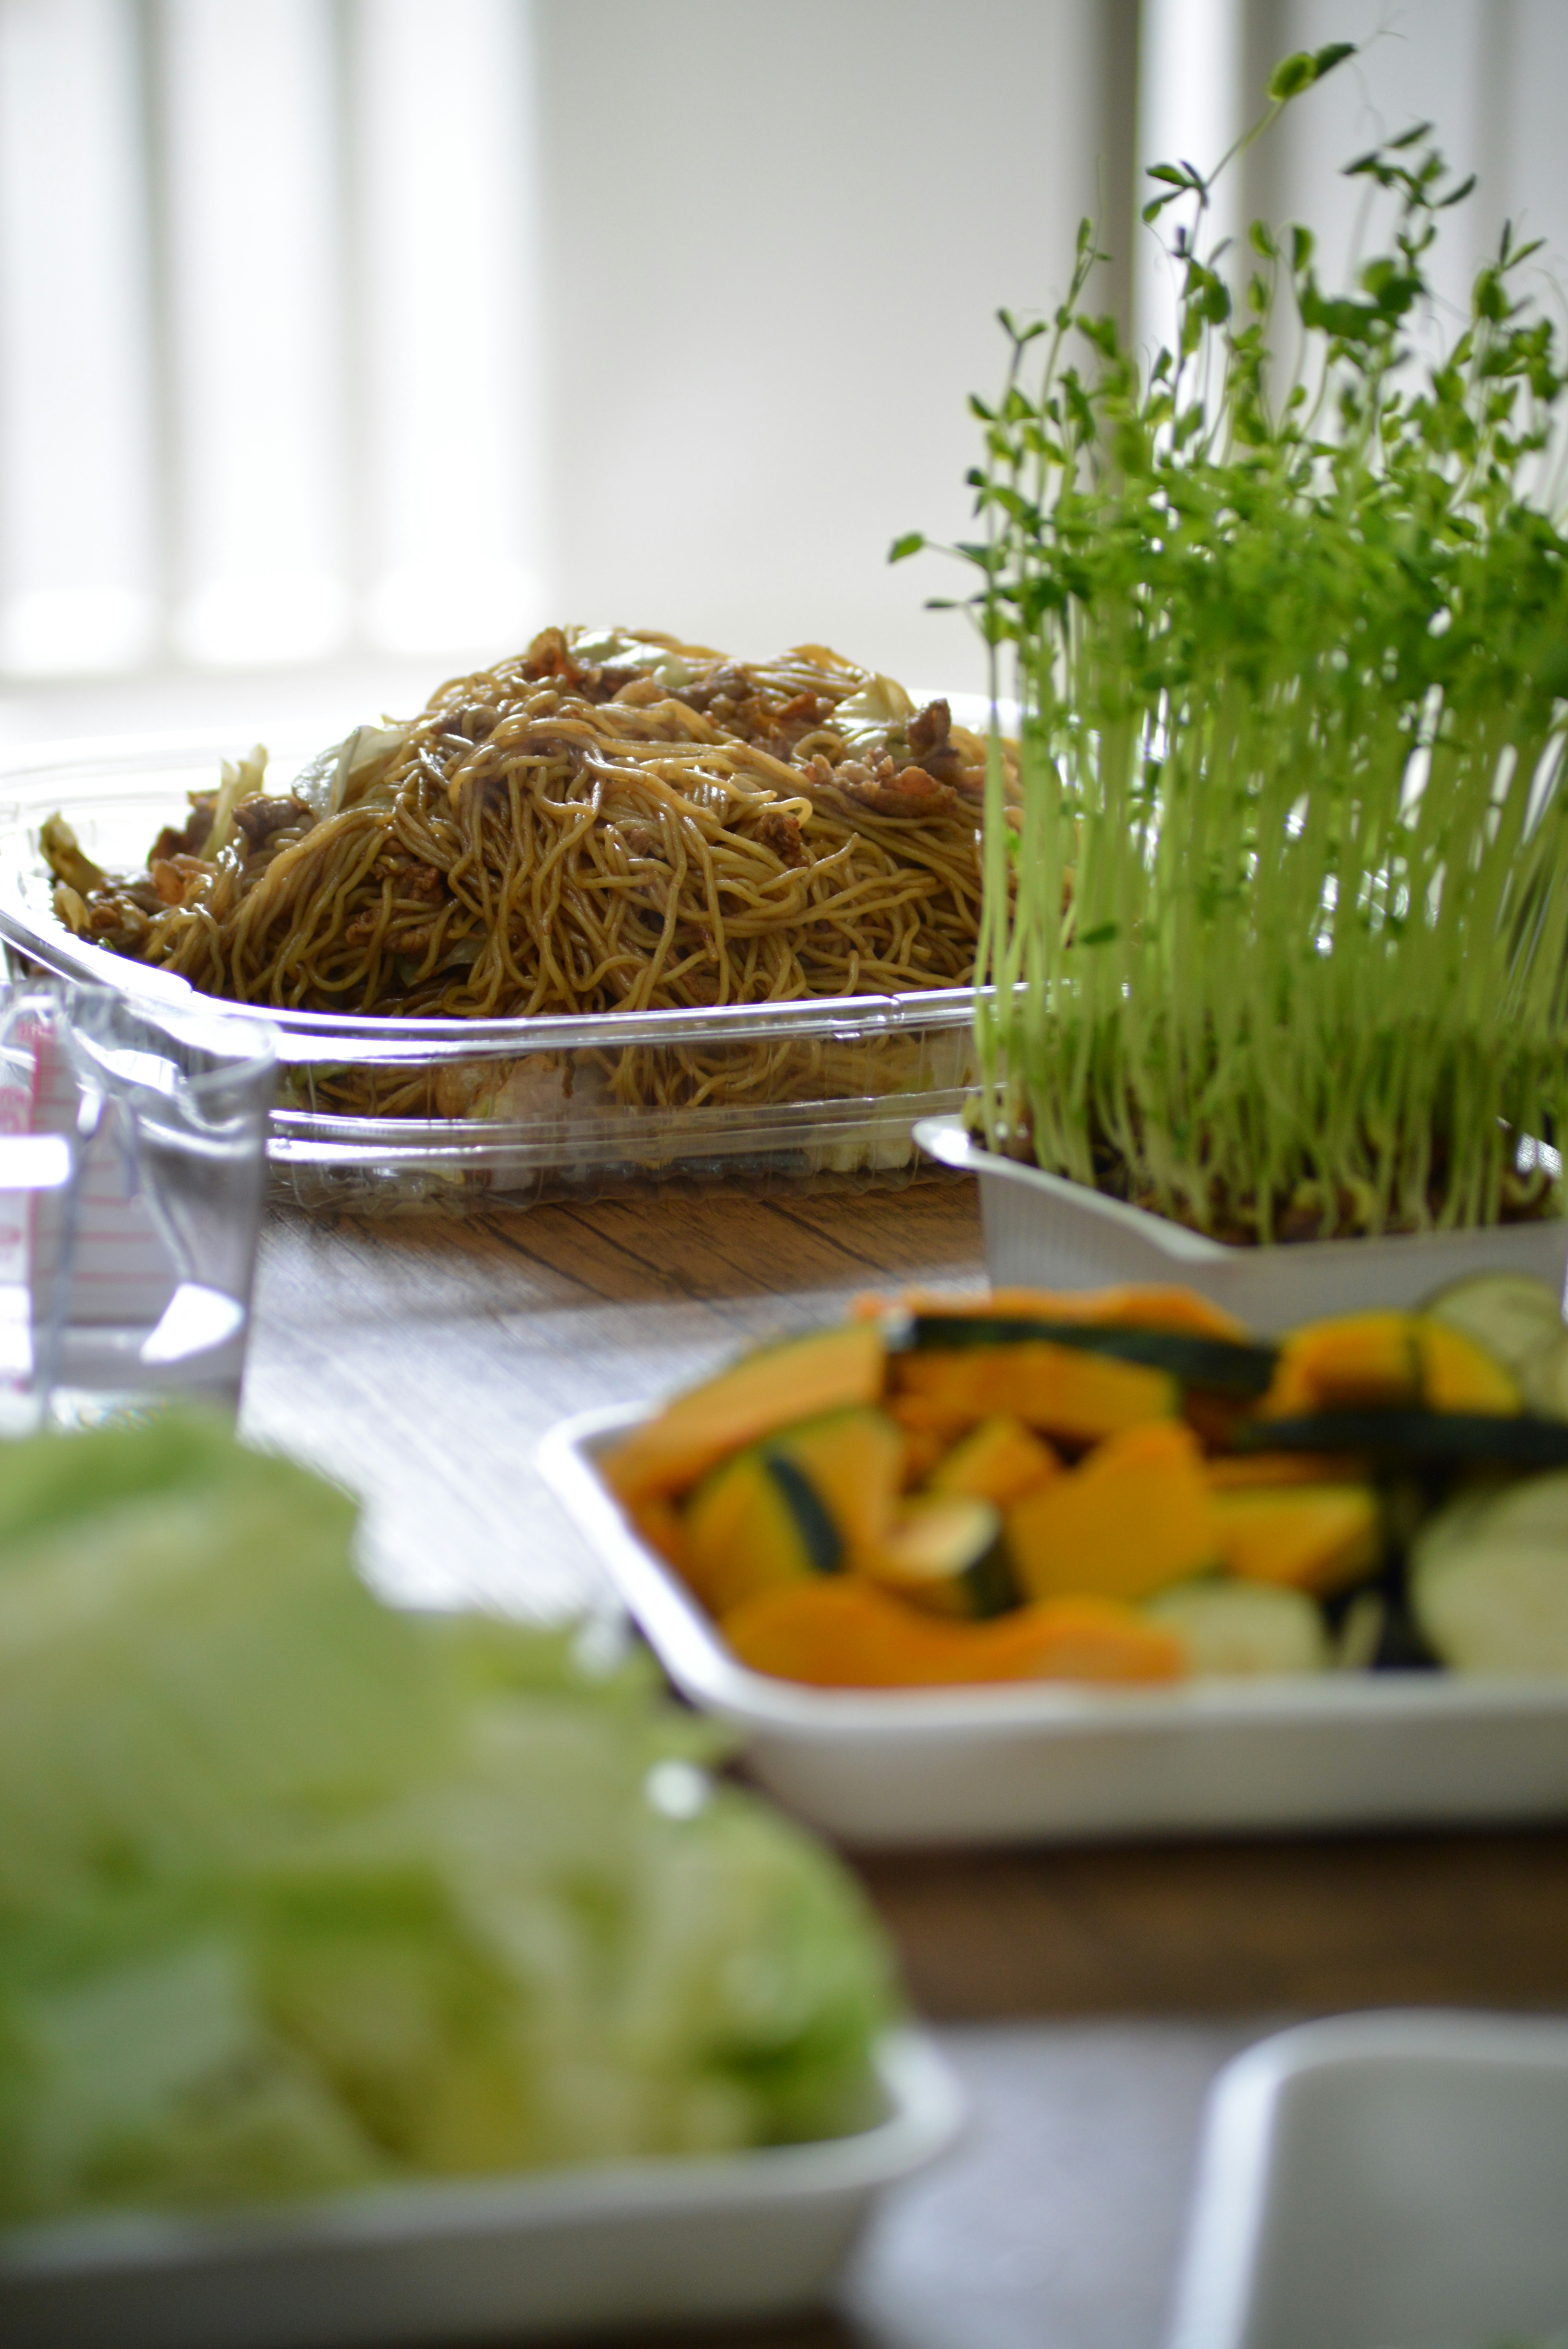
{"x": 267, "y": 330}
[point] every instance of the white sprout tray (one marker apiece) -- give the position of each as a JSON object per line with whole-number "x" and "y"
{"x": 1039, "y": 1761}
{"x": 1044, "y": 1232}
{"x": 665, "y": 2242}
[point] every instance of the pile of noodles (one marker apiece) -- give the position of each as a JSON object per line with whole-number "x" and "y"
{"x": 604, "y": 822}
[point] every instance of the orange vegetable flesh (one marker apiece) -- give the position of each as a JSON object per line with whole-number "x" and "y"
{"x": 1317, "y": 1538}
{"x": 1245, "y": 1470}
{"x": 656, "y": 1522}
{"x": 801, "y": 1378}
{"x": 1457, "y": 1374}
{"x": 1354, "y": 1361}
{"x": 1000, "y": 1461}
{"x": 1133, "y": 1306}
{"x": 1057, "y": 1390}
{"x": 846, "y": 1634}
{"x": 1138, "y": 1513}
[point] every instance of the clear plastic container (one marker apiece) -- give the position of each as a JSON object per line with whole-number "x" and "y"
{"x": 508, "y": 1112}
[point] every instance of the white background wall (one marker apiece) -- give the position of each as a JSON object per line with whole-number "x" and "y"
{"x": 778, "y": 235}
{"x": 704, "y": 347}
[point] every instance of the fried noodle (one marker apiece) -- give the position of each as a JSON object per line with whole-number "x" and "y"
{"x": 602, "y": 823}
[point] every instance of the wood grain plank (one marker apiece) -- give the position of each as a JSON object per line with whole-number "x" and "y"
{"x": 421, "y": 1361}
{"x": 1313, "y": 1926}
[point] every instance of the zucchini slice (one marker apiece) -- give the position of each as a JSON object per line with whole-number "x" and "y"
{"x": 1489, "y": 1580}
{"x": 1519, "y": 1320}
{"x": 1243, "y": 1628}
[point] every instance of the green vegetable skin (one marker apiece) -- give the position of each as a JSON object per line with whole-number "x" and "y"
{"x": 1288, "y": 621}
{"x": 297, "y": 1892}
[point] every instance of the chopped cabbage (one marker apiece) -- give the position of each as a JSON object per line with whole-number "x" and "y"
{"x": 297, "y": 1892}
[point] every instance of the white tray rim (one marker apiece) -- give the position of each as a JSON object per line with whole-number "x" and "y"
{"x": 689, "y": 1647}
{"x": 927, "y": 2111}
{"x": 949, "y": 1141}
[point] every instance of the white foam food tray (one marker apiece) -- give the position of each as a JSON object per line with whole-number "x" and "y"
{"x": 1044, "y": 1232}
{"x": 1384, "y": 2181}
{"x": 1039, "y": 1760}
{"x": 635, "y": 2242}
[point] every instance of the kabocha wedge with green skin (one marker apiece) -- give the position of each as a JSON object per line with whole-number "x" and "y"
{"x": 1078, "y": 1398}
{"x": 770, "y": 1388}
{"x": 1215, "y": 1364}
{"x": 1000, "y": 1461}
{"x": 1413, "y": 1438}
{"x": 801, "y": 1502}
{"x": 754, "y": 1523}
{"x": 945, "y": 1554}
{"x": 854, "y": 1461}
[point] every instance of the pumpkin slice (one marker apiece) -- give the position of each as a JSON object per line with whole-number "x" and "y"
{"x": 798, "y": 1379}
{"x": 999, "y": 1462}
{"x": 1132, "y": 1305}
{"x": 1354, "y": 1361}
{"x": 754, "y": 1523}
{"x": 796, "y": 1505}
{"x": 1317, "y": 1537}
{"x": 944, "y": 1554}
{"x": 1137, "y": 1514}
{"x": 658, "y": 1522}
{"x": 854, "y": 1462}
{"x": 1244, "y": 1470}
{"x": 1459, "y": 1373}
{"x": 1057, "y": 1390}
{"x": 1364, "y": 1362}
{"x": 849, "y": 1634}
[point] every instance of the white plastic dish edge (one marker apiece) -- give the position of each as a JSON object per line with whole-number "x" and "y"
{"x": 1265, "y": 2244}
{"x": 1032, "y": 1761}
{"x": 1045, "y": 1232}
{"x": 741, "y": 2236}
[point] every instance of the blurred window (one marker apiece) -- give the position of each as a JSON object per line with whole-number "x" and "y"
{"x": 267, "y": 324}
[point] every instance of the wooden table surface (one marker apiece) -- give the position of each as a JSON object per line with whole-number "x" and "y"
{"x": 1086, "y": 1995}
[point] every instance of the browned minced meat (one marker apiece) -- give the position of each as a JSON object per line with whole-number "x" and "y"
{"x": 727, "y": 681}
{"x": 190, "y": 838}
{"x": 781, "y": 832}
{"x": 412, "y": 879}
{"x": 885, "y": 789}
{"x": 549, "y": 655}
{"x": 172, "y": 876}
{"x": 931, "y": 748}
{"x": 260, "y": 817}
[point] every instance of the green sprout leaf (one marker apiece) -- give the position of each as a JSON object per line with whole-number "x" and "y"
{"x": 1286, "y": 623}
